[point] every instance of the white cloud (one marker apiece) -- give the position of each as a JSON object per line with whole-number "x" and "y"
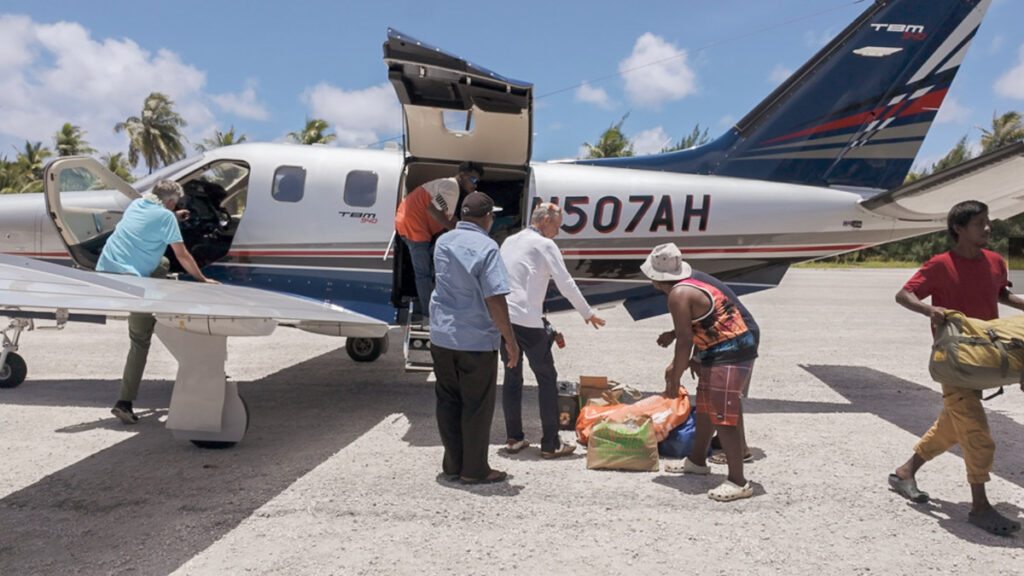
{"x": 597, "y": 96}
{"x": 657, "y": 72}
{"x": 244, "y": 104}
{"x": 818, "y": 38}
{"x": 951, "y": 112}
{"x": 650, "y": 141}
{"x": 997, "y": 44}
{"x": 1011, "y": 84}
{"x": 727, "y": 120}
{"x": 56, "y": 73}
{"x": 779, "y": 74}
{"x": 359, "y": 117}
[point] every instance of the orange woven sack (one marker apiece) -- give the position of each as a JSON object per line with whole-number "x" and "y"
{"x": 665, "y": 413}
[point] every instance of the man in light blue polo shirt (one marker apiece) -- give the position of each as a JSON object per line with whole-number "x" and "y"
{"x": 468, "y": 318}
{"x": 137, "y": 248}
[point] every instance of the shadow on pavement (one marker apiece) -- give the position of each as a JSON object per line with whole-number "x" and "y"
{"x": 150, "y": 503}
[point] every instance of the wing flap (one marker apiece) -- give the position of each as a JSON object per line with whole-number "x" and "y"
{"x": 996, "y": 178}
{"x": 36, "y": 285}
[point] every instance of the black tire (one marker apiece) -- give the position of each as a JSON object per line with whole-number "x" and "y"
{"x": 13, "y": 372}
{"x": 364, "y": 349}
{"x": 217, "y": 444}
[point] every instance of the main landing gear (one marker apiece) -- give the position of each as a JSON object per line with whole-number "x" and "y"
{"x": 365, "y": 349}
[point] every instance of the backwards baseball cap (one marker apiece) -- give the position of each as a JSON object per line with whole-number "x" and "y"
{"x": 665, "y": 264}
{"x": 477, "y": 205}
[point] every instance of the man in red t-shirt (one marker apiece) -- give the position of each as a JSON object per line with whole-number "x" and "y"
{"x": 973, "y": 281}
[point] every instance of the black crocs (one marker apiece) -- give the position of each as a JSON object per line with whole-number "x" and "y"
{"x": 907, "y": 489}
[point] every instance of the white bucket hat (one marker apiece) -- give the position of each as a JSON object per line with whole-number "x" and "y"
{"x": 665, "y": 264}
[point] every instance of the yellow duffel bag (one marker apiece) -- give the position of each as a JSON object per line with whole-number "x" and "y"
{"x": 978, "y": 354}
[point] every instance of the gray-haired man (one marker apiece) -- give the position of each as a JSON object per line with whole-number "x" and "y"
{"x": 137, "y": 248}
{"x": 533, "y": 260}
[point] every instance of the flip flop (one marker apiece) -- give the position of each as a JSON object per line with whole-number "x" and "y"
{"x": 907, "y": 489}
{"x": 993, "y": 522}
{"x": 721, "y": 458}
{"x": 492, "y": 478}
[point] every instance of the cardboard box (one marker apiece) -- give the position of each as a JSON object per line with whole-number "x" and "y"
{"x": 596, "y": 387}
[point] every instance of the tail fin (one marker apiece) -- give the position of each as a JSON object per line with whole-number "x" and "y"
{"x": 856, "y": 113}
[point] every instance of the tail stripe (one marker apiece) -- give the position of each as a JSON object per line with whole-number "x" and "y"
{"x": 967, "y": 27}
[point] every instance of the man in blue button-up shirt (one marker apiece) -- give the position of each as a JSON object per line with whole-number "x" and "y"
{"x": 468, "y": 318}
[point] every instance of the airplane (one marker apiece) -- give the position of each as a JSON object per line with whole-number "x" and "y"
{"x": 816, "y": 169}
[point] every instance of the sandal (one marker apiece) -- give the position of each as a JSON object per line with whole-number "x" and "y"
{"x": 727, "y": 492}
{"x": 907, "y": 489}
{"x": 686, "y": 467}
{"x": 720, "y": 458}
{"x": 492, "y": 478}
{"x": 993, "y": 522}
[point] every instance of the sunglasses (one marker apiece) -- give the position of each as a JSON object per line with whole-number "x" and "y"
{"x": 473, "y": 180}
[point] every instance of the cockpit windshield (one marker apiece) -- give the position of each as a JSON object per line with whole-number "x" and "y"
{"x": 143, "y": 184}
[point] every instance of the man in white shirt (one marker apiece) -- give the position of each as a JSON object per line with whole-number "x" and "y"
{"x": 532, "y": 260}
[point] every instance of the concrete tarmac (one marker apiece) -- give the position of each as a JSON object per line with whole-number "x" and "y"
{"x": 338, "y": 472}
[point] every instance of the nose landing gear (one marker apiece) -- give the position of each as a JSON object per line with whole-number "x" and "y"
{"x": 12, "y": 366}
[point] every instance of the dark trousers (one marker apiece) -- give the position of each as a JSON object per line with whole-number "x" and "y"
{"x": 535, "y": 343}
{"x": 466, "y": 388}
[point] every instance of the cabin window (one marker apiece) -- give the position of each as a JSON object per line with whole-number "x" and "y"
{"x": 458, "y": 121}
{"x": 361, "y": 188}
{"x": 289, "y": 184}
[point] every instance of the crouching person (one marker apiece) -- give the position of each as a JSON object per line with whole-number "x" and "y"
{"x": 709, "y": 325}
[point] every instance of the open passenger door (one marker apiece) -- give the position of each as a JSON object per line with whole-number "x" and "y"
{"x": 454, "y": 112}
{"x": 85, "y": 200}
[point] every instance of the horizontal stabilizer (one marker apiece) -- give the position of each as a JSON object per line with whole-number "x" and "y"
{"x": 996, "y": 178}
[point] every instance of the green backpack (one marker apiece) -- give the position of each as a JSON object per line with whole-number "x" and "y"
{"x": 978, "y": 354}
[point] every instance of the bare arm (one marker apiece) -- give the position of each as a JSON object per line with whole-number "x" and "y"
{"x": 911, "y": 302}
{"x": 440, "y": 217}
{"x": 1010, "y": 299}
{"x": 189, "y": 264}
{"x": 497, "y": 306}
{"x": 679, "y": 306}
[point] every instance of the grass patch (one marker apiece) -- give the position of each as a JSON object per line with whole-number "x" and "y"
{"x": 865, "y": 264}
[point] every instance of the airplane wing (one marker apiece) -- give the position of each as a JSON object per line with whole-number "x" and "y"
{"x": 996, "y": 178}
{"x": 28, "y": 284}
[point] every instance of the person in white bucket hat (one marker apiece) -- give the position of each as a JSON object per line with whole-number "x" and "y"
{"x": 716, "y": 338}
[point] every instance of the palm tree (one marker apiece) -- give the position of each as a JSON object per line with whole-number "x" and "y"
{"x": 696, "y": 138}
{"x": 959, "y": 153}
{"x": 156, "y": 134}
{"x": 11, "y": 176}
{"x": 118, "y": 164}
{"x": 1006, "y": 129}
{"x": 70, "y": 141}
{"x": 613, "y": 143}
{"x": 30, "y": 164}
{"x": 313, "y": 133}
{"x": 219, "y": 139}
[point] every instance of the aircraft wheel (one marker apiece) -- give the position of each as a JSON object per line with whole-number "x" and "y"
{"x": 13, "y": 372}
{"x": 220, "y": 445}
{"x": 364, "y": 349}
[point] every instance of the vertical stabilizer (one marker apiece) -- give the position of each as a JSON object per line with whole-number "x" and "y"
{"x": 856, "y": 113}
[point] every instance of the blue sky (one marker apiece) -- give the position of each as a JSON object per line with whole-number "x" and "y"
{"x": 265, "y": 67}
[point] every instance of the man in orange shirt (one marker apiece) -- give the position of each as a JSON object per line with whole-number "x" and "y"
{"x": 426, "y": 212}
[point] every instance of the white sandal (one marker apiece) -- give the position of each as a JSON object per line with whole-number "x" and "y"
{"x": 687, "y": 467}
{"x": 727, "y": 492}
